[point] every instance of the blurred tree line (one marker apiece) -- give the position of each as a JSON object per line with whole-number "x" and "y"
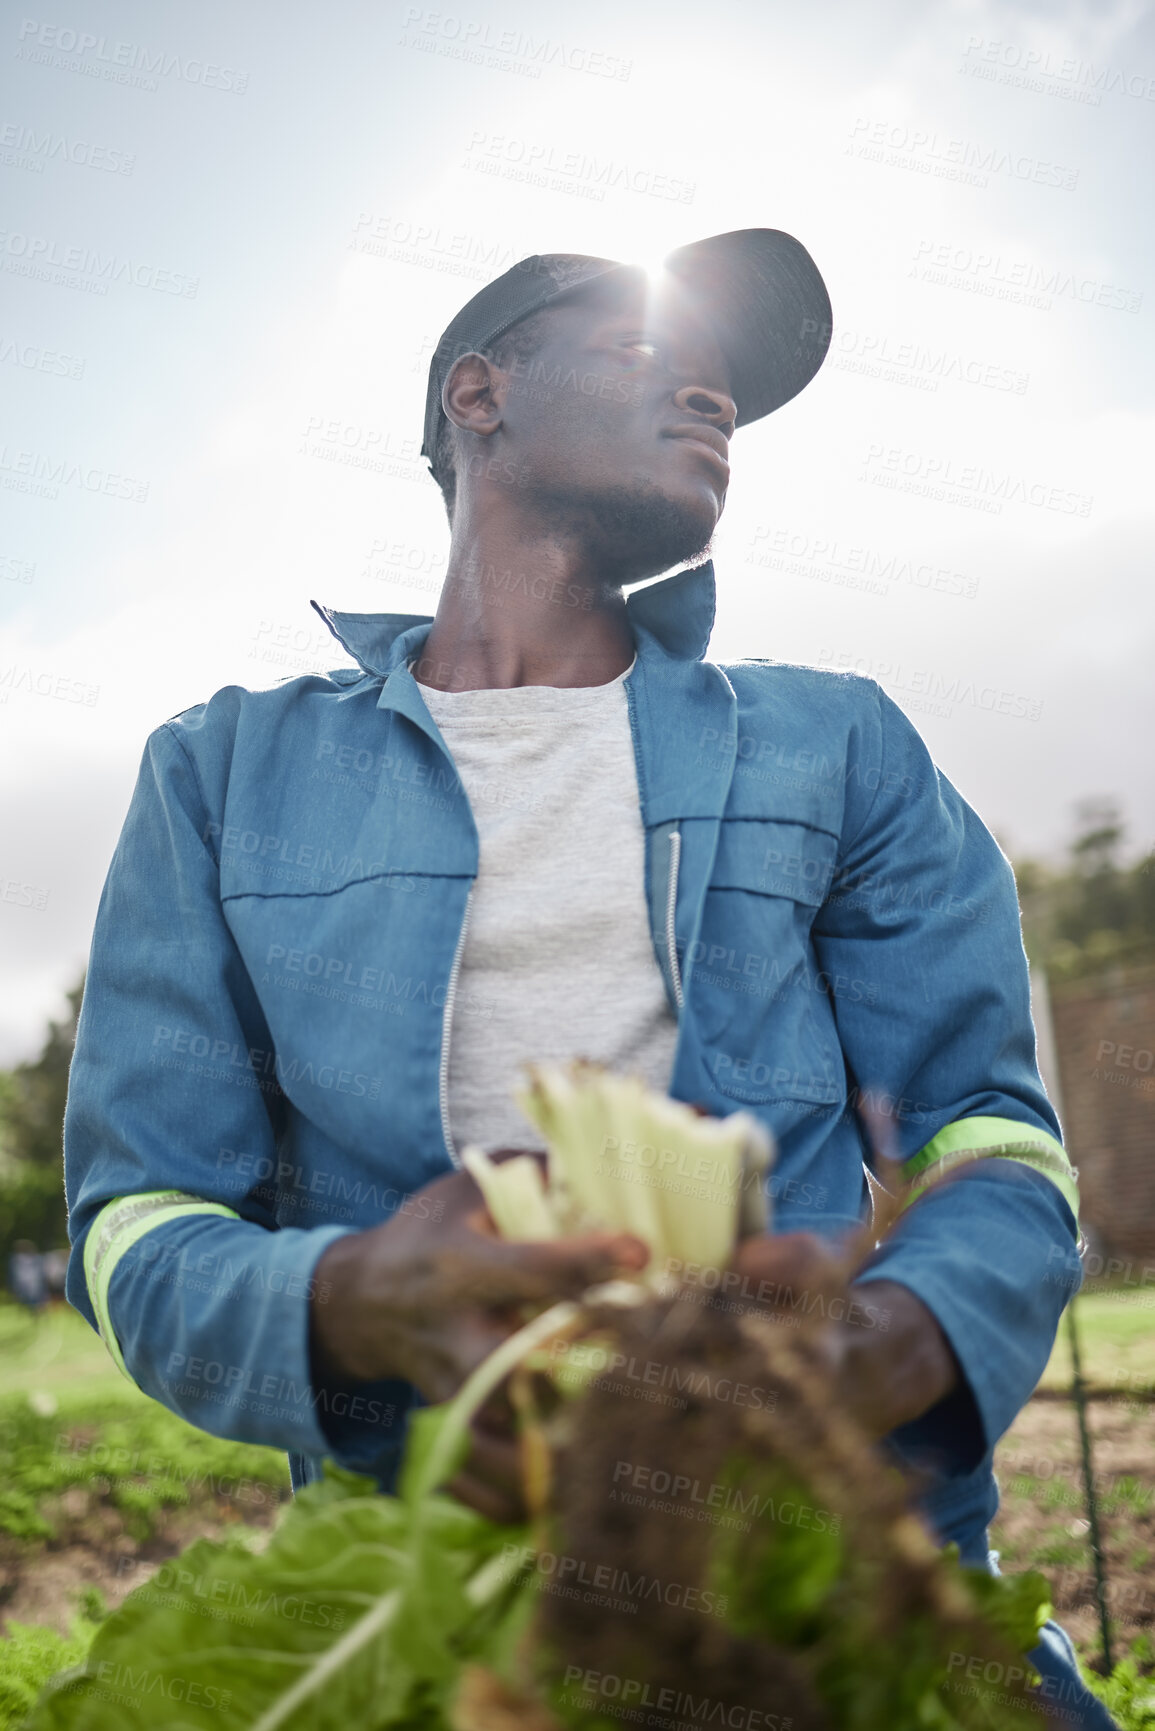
{"x": 1082, "y": 917}
{"x": 32, "y": 1099}
{"x": 1092, "y": 913}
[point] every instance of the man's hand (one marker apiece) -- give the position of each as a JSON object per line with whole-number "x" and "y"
{"x": 891, "y": 1359}
{"x": 428, "y": 1295}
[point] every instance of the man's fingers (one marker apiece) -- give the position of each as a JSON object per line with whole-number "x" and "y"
{"x": 490, "y": 1480}
{"x": 800, "y": 1261}
{"x": 508, "y": 1272}
{"x": 494, "y": 1456}
{"x": 485, "y": 1500}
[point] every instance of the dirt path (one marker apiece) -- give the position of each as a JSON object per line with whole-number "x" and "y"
{"x": 1042, "y": 1522}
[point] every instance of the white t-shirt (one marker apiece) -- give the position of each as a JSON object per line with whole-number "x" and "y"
{"x": 557, "y": 962}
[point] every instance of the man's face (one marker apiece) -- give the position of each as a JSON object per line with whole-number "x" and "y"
{"x": 620, "y": 425}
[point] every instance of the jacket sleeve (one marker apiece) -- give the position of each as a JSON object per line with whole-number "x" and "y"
{"x": 200, "y": 1299}
{"x": 945, "y": 1080}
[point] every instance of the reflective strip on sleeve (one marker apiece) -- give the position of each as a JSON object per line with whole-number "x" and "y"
{"x": 116, "y": 1229}
{"x": 992, "y": 1139}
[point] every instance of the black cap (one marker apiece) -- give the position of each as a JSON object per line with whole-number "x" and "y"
{"x": 759, "y": 291}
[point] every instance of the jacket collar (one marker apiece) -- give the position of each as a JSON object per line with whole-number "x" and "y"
{"x": 678, "y": 612}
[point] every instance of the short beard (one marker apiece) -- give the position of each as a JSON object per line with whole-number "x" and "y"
{"x": 632, "y": 532}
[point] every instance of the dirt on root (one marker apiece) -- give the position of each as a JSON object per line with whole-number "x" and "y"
{"x": 1042, "y": 1522}
{"x": 732, "y": 1539}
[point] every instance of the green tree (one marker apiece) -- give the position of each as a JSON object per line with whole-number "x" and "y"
{"x": 32, "y": 1097}
{"x": 1094, "y": 912}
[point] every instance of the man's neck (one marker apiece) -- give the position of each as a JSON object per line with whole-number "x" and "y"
{"x": 523, "y": 609}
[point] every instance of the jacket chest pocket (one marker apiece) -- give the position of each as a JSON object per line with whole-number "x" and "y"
{"x": 758, "y": 997}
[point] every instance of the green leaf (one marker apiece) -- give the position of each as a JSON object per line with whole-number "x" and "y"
{"x": 423, "y": 1453}
{"x": 360, "y": 1612}
{"x": 305, "y": 1634}
{"x": 1016, "y": 1605}
{"x": 29, "y": 1656}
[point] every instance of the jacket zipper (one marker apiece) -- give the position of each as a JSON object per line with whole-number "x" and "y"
{"x": 446, "y": 1023}
{"x": 671, "y": 908}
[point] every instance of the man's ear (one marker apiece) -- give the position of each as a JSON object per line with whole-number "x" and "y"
{"x": 471, "y": 395}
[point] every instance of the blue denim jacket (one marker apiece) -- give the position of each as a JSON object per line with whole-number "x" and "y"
{"x": 262, "y": 1057}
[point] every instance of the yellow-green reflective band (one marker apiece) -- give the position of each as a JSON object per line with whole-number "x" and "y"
{"x": 992, "y": 1139}
{"x": 116, "y": 1229}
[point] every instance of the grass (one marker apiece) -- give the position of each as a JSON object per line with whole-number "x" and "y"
{"x": 56, "y": 1353}
{"x": 1116, "y": 1341}
{"x": 136, "y": 1458}
{"x": 90, "y": 1465}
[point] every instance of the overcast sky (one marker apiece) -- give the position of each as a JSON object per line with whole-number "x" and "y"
{"x": 233, "y": 232}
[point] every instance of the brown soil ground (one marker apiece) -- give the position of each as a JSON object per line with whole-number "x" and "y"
{"x": 43, "y": 1582}
{"x": 1042, "y": 1524}
{"x": 1043, "y": 1520}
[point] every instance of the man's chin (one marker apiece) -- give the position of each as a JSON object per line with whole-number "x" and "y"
{"x": 643, "y": 531}
{"x": 681, "y": 563}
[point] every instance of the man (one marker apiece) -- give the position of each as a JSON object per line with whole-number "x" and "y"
{"x": 345, "y": 911}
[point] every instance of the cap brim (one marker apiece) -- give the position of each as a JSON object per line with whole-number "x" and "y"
{"x": 758, "y": 290}
{"x": 763, "y": 297}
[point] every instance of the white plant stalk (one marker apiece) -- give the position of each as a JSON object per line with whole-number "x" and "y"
{"x": 623, "y": 1158}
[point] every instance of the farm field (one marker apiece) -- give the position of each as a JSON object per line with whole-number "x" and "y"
{"x": 100, "y": 1485}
